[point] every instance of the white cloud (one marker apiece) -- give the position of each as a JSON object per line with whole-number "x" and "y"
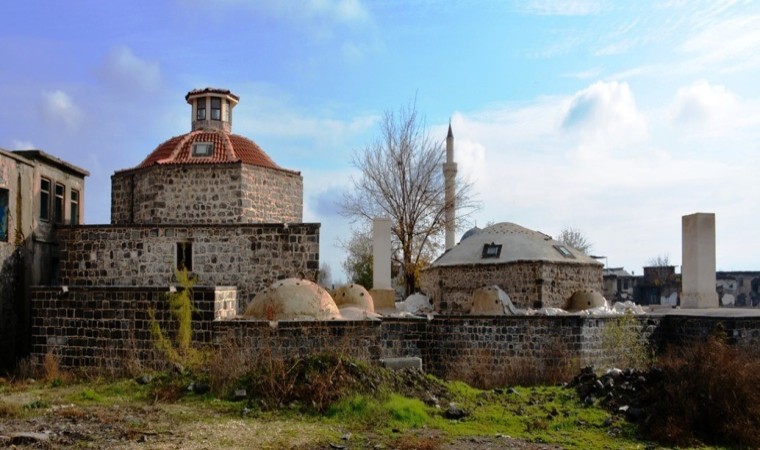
{"x": 629, "y": 202}
{"x": 706, "y": 107}
{"x": 563, "y": 8}
{"x": 605, "y": 113}
{"x": 57, "y": 107}
{"x": 124, "y": 70}
{"x": 733, "y": 43}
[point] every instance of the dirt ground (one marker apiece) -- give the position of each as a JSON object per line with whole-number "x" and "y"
{"x": 175, "y": 426}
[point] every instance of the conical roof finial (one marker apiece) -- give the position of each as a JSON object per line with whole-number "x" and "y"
{"x": 450, "y": 135}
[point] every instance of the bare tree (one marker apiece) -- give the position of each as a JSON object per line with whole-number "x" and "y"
{"x": 401, "y": 178}
{"x": 574, "y": 238}
{"x": 660, "y": 261}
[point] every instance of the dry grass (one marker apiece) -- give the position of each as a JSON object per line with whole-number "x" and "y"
{"x": 711, "y": 393}
{"x": 411, "y": 442}
{"x": 9, "y": 410}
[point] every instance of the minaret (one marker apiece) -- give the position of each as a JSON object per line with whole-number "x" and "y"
{"x": 449, "y": 177}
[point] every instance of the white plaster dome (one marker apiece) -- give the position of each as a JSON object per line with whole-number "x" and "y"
{"x": 354, "y": 295}
{"x": 293, "y": 299}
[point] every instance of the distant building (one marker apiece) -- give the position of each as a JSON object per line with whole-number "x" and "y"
{"x": 38, "y": 194}
{"x": 531, "y": 267}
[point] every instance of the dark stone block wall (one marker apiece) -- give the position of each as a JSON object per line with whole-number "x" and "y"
{"x": 108, "y": 327}
{"x": 249, "y": 256}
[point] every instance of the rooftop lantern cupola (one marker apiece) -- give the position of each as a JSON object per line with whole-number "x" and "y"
{"x": 212, "y": 108}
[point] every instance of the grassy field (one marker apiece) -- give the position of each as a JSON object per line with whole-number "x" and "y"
{"x": 125, "y": 414}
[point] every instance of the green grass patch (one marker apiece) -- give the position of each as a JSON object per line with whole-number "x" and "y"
{"x": 405, "y": 412}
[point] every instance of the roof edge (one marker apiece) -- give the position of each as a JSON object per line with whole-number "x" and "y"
{"x": 55, "y": 161}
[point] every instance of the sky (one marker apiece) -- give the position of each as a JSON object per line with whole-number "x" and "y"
{"x": 614, "y": 118}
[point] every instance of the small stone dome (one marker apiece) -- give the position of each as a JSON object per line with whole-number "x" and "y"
{"x": 471, "y": 232}
{"x": 491, "y": 300}
{"x": 354, "y": 295}
{"x": 585, "y": 299}
{"x": 293, "y": 299}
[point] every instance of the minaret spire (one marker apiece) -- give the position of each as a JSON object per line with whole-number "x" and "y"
{"x": 449, "y": 177}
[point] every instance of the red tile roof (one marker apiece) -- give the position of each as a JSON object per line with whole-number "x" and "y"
{"x": 228, "y": 148}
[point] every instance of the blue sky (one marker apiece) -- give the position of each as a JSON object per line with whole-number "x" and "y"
{"x": 615, "y": 118}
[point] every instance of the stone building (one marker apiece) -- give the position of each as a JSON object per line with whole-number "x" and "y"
{"x": 38, "y": 194}
{"x": 209, "y": 201}
{"x": 531, "y": 267}
{"x": 207, "y": 176}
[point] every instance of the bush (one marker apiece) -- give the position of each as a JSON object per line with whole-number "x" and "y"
{"x": 711, "y": 392}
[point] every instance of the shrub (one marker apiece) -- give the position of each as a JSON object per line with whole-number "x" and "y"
{"x": 178, "y": 351}
{"x": 710, "y": 393}
{"x": 622, "y": 339}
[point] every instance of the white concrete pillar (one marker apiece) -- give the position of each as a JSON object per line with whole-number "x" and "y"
{"x": 381, "y": 253}
{"x": 698, "y": 261}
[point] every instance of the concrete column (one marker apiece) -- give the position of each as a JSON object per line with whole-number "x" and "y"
{"x": 383, "y": 295}
{"x": 698, "y": 259}
{"x": 381, "y": 253}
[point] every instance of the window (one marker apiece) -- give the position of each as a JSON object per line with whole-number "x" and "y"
{"x": 491, "y": 250}
{"x": 74, "y": 207}
{"x": 58, "y": 206}
{"x": 4, "y": 215}
{"x": 44, "y": 199}
{"x": 564, "y": 251}
{"x": 203, "y": 149}
{"x": 200, "y": 107}
{"x": 216, "y": 108}
{"x": 185, "y": 256}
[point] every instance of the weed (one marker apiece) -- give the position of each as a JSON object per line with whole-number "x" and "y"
{"x": 710, "y": 393}
{"x": 621, "y": 337}
{"x": 37, "y": 404}
{"x": 90, "y": 395}
{"x": 51, "y": 371}
{"x": 179, "y": 351}
{"x": 9, "y": 410}
{"x": 26, "y": 368}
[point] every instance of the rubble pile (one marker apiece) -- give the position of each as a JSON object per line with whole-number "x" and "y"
{"x": 631, "y": 393}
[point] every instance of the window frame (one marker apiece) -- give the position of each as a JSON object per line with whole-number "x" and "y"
{"x": 184, "y": 256}
{"x": 45, "y": 199}
{"x": 200, "y": 109}
{"x": 216, "y": 112}
{"x": 491, "y": 250}
{"x": 4, "y": 211}
{"x": 195, "y": 154}
{"x": 564, "y": 251}
{"x": 59, "y": 214}
{"x": 74, "y": 207}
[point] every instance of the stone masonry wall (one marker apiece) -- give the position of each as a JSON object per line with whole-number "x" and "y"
{"x": 206, "y": 194}
{"x": 271, "y": 196}
{"x": 528, "y": 284}
{"x": 107, "y": 327}
{"x": 121, "y": 198}
{"x": 250, "y": 257}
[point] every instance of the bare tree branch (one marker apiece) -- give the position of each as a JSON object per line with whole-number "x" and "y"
{"x": 574, "y": 238}
{"x": 402, "y": 178}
